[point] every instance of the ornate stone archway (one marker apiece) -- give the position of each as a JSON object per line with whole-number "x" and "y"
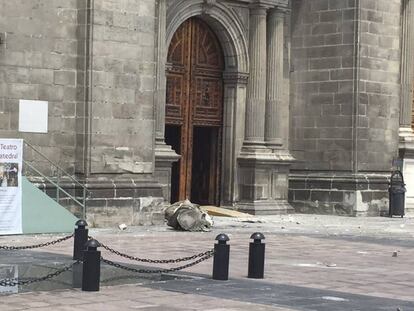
{"x": 225, "y": 22}
{"x": 232, "y": 36}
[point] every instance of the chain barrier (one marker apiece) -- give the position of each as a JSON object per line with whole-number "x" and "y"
{"x": 156, "y": 261}
{"x": 13, "y": 248}
{"x": 8, "y": 282}
{"x": 208, "y": 255}
{"x": 14, "y": 281}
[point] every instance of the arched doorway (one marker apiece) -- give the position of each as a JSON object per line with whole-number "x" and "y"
{"x": 194, "y": 111}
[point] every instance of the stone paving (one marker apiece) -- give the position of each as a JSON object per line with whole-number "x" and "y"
{"x": 312, "y": 263}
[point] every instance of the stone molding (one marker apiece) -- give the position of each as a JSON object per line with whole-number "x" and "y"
{"x": 258, "y": 10}
{"x": 339, "y": 193}
{"x": 236, "y": 77}
{"x": 208, "y": 5}
{"x": 229, "y": 21}
{"x": 265, "y": 156}
{"x": 269, "y": 3}
{"x": 339, "y": 176}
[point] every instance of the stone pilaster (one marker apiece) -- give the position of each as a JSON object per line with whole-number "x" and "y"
{"x": 164, "y": 155}
{"x": 256, "y": 88}
{"x": 407, "y": 62}
{"x": 406, "y": 135}
{"x": 235, "y": 85}
{"x": 161, "y": 79}
{"x": 277, "y": 112}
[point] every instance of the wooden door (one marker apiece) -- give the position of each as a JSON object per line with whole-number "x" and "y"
{"x": 194, "y": 111}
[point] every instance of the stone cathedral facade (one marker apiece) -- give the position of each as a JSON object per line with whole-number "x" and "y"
{"x": 264, "y": 106}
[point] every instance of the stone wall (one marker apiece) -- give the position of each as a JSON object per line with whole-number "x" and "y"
{"x": 345, "y": 99}
{"x": 322, "y": 75}
{"x": 38, "y": 61}
{"x": 340, "y": 194}
{"x": 94, "y": 62}
{"x": 69, "y": 52}
{"x": 122, "y": 86}
{"x": 120, "y": 118}
{"x": 379, "y": 85}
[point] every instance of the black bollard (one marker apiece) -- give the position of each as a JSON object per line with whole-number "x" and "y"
{"x": 221, "y": 258}
{"x": 91, "y": 273}
{"x": 80, "y": 239}
{"x": 256, "y": 256}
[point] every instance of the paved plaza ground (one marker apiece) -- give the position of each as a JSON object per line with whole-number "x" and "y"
{"x": 313, "y": 262}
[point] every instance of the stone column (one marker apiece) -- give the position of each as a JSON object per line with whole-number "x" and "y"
{"x": 161, "y": 78}
{"x": 256, "y": 88}
{"x": 263, "y": 174}
{"x": 276, "y": 120}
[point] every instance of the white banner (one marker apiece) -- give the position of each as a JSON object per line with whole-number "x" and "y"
{"x": 11, "y": 158}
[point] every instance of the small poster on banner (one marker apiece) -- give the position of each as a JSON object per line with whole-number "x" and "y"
{"x": 11, "y": 158}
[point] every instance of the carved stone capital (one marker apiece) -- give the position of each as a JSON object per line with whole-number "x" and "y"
{"x": 280, "y": 11}
{"x": 258, "y": 10}
{"x": 268, "y": 4}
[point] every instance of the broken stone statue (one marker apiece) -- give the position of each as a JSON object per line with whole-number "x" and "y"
{"x": 184, "y": 215}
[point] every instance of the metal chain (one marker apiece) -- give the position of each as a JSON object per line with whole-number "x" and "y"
{"x": 117, "y": 265}
{"x": 14, "y": 281}
{"x": 13, "y": 248}
{"x": 156, "y": 261}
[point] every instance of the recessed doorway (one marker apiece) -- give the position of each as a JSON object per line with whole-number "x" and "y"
{"x": 194, "y": 112}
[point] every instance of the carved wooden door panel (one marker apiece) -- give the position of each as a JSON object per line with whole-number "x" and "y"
{"x": 194, "y": 108}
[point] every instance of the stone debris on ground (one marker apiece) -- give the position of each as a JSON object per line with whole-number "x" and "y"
{"x": 251, "y": 220}
{"x": 224, "y": 212}
{"x": 187, "y": 216}
{"x": 122, "y": 227}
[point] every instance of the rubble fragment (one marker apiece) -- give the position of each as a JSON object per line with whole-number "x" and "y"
{"x": 122, "y": 227}
{"x": 187, "y": 216}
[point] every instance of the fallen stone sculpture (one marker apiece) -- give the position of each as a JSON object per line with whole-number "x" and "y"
{"x": 187, "y": 216}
